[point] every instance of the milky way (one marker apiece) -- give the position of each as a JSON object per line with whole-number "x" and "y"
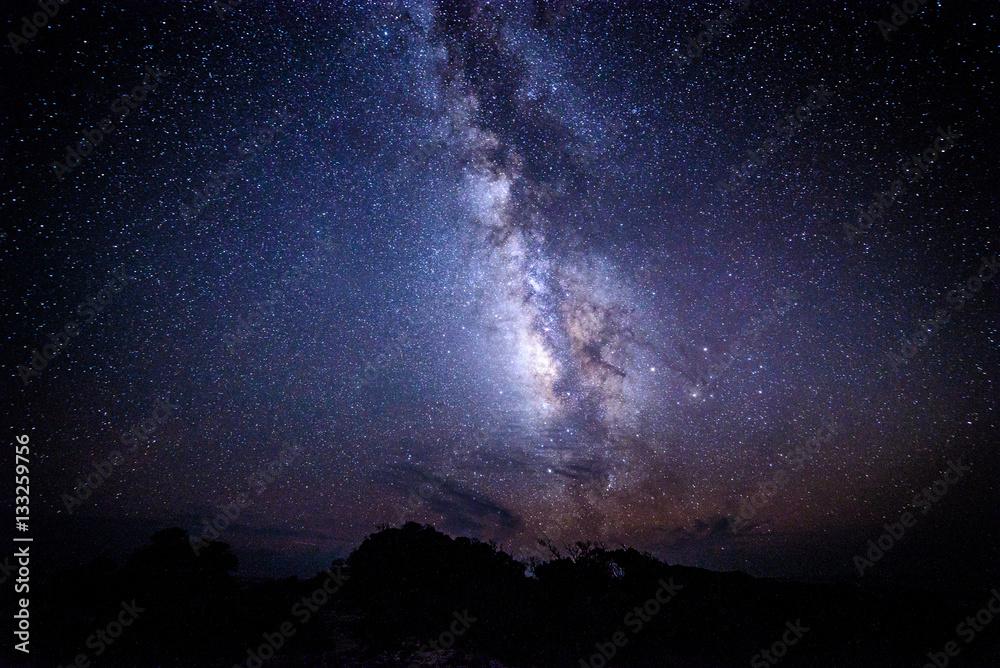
{"x": 483, "y": 273}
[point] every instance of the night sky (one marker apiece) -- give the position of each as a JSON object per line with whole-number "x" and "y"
{"x": 514, "y": 269}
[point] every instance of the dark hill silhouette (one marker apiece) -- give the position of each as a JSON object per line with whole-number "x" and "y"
{"x": 403, "y": 588}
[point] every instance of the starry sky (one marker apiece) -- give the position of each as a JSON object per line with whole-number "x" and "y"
{"x": 515, "y": 269}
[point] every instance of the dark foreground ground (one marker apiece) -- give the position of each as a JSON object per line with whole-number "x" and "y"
{"x": 403, "y": 588}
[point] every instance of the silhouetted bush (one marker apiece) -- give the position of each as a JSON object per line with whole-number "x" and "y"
{"x": 406, "y": 585}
